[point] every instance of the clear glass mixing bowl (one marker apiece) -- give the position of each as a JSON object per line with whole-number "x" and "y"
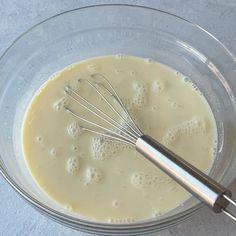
{"x": 110, "y": 29}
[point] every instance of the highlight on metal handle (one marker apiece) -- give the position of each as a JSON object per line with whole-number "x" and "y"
{"x": 196, "y": 182}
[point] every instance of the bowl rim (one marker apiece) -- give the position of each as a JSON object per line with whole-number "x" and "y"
{"x": 61, "y": 217}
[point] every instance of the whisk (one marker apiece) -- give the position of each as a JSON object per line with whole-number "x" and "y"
{"x": 115, "y": 123}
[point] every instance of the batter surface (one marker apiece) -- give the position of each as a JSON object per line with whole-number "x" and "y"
{"x": 104, "y": 180}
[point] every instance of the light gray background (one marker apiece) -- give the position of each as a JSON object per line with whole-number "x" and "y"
{"x": 16, "y": 16}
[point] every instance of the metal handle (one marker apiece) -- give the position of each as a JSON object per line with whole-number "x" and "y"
{"x": 199, "y": 184}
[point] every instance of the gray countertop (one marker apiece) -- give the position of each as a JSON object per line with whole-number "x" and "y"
{"x": 218, "y": 17}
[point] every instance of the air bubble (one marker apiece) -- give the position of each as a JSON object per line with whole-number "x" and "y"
{"x": 93, "y": 175}
{"x": 110, "y": 220}
{"x": 39, "y": 139}
{"x": 174, "y": 104}
{"x": 142, "y": 180}
{"x": 73, "y": 129}
{"x": 104, "y": 149}
{"x": 157, "y": 86}
{"x": 68, "y": 207}
{"x": 53, "y": 152}
{"x": 124, "y": 220}
{"x": 74, "y": 148}
{"x": 72, "y": 165}
{"x": 194, "y": 86}
{"x": 157, "y": 214}
{"x": 119, "y": 56}
{"x": 149, "y": 61}
{"x": 154, "y": 108}
{"x": 141, "y": 94}
{"x": 115, "y": 203}
{"x": 92, "y": 67}
{"x": 60, "y": 104}
{"x": 196, "y": 125}
{"x": 132, "y": 73}
{"x": 214, "y": 151}
{"x": 118, "y": 71}
{"x": 187, "y": 80}
{"x": 165, "y": 180}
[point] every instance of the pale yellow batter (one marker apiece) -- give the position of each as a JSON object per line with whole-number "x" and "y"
{"x": 104, "y": 180}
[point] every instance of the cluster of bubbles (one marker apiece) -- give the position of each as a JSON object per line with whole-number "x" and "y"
{"x": 72, "y": 165}
{"x": 165, "y": 179}
{"x": 120, "y": 56}
{"x": 214, "y": 148}
{"x": 104, "y": 149}
{"x": 60, "y": 104}
{"x": 194, "y": 86}
{"x": 141, "y": 94}
{"x": 118, "y": 71}
{"x": 144, "y": 180}
{"x": 93, "y": 175}
{"x": 157, "y": 213}
{"x": 52, "y": 151}
{"x": 173, "y": 103}
{"x": 123, "y": 220}
{"x": 157, "y": 86}
{"x": 194, "y": 126}
{"x": 92, "y": 67}
{"x": 74, "y": 129}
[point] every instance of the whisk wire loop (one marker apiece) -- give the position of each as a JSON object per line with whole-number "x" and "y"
{"x": 111, "y": 107}
{"x": 119, "y": 100}
{"x": 109, "y": 121}
{"x": 125, "y": 131}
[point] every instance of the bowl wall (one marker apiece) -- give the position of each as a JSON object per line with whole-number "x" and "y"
{"x": 104, "y": 30}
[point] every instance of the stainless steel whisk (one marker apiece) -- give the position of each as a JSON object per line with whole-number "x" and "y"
{"x": 122, "y": 128}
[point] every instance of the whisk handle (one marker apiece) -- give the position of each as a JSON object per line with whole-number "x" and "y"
{"x": 199, "y": 184}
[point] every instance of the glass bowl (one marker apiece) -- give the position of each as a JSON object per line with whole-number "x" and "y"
{"x": 103, "y": 30}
